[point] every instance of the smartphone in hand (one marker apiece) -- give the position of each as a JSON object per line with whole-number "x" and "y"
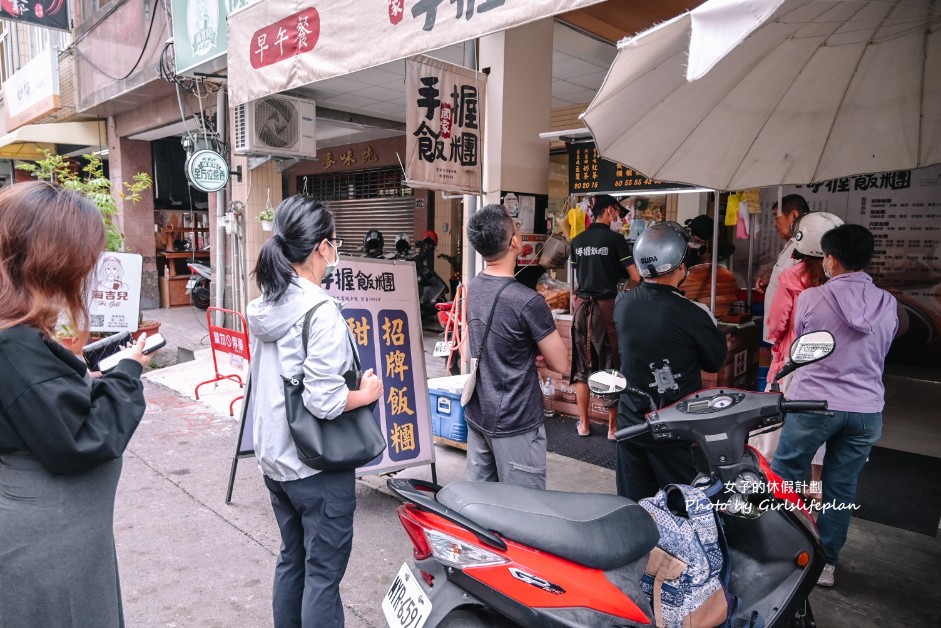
{"x": 152, "y": 343}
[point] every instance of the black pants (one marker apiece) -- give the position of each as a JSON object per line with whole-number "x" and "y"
{"x": 315, "y": 515}
{"x": 642, "y": 471}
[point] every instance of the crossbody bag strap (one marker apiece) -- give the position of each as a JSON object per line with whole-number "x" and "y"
{"x": 305, "y": 335}
{"x": 490, "y": 320}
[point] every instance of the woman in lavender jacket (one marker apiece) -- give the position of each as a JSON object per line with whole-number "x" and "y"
{"x": 863, "y": 320}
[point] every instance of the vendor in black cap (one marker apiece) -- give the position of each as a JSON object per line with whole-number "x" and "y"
{"x": 700, "y": 235}
{"x": 601, "y": 258}
{"x": 700, "y": 240}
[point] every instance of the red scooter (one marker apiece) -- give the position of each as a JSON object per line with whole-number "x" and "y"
{"x": 493, "y": 554}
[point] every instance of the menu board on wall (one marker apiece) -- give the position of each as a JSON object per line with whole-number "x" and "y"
{"x": 589, "y": 174}
{"x": 902, "y": 209}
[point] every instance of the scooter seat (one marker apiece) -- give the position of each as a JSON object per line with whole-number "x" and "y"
{"x": 592, "y": 529}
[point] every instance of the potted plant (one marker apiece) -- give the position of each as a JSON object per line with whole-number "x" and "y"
{"x": 90, "y": 181}
{"x": 265, "y": 218}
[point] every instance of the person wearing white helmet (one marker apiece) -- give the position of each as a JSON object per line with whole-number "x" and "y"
{"x": 807, "y": 272}
{"x": 655, "y": 322}
{"x": 863, "y": 320}
{"x": 793, "y": 208}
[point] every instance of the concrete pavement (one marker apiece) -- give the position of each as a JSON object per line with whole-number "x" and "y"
{"x": 188, "y": 559}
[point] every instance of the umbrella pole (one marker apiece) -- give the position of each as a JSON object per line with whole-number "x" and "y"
{"x": 715, "y": 251}
{"x": 751, "y": 257}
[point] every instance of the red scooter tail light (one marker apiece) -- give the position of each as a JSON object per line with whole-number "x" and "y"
{"x": 415, "y": 532}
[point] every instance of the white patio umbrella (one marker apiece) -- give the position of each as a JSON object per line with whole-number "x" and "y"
{"x": 751, "y": 93}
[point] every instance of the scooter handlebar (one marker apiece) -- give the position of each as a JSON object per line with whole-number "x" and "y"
{"x": 631, "y": 431}
{"x": 803, "y": 406}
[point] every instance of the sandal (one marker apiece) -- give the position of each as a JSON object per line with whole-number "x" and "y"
{"x": 578, "y": 428}
{"x": 611, "y": 437}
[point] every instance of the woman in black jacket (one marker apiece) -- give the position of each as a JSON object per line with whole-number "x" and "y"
{"x": 62, "y": 432}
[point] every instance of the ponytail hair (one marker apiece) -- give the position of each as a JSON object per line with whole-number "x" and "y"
{"x": 301, "y": 223}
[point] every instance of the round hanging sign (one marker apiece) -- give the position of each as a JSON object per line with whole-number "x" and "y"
{"x": 207, "y": 170}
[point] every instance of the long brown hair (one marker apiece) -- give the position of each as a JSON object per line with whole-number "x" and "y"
{"x": 813, "y": 270}
{"x": 50, "y": 240}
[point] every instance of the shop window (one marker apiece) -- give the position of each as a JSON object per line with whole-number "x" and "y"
{"x": 6, "y": 51}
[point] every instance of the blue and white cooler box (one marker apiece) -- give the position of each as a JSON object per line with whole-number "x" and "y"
{"x": 447, "y": 413}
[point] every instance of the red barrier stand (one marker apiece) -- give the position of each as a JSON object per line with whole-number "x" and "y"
{"x": 225, "y": 340}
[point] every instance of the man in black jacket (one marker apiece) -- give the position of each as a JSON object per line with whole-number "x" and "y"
{"x": 655, "y": 322}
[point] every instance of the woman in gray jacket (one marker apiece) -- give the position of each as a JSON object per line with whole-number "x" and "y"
{"x": 314, "y": 509}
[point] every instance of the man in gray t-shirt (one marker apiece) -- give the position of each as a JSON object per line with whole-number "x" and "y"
{"x": 506, "y": 438}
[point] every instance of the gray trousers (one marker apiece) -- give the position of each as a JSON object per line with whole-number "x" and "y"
{"x": 315, "y": 515}
{"x": 519, "y": 459}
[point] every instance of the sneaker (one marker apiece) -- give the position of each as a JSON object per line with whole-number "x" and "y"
{"x": 826, "y": 576}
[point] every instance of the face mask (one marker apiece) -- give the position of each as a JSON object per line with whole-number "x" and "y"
{"x": 336, "y": 260}
{"x": 616, "y": 225}
{"x": 826, "y": 271}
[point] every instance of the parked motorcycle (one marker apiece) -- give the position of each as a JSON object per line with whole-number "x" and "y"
{"x": 432, "y": 289}
{"x": 493, "y": 554}
{"x": 198, "y": 285}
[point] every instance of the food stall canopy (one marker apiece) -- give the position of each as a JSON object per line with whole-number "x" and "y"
{"x": 28, "y": 141}
{"x": 277, "y": 45}
{"x": 734, "y": 95}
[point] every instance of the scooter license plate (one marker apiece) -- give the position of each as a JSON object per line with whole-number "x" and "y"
{"x": 406, "y": 605}
{"x": 189, "y": 284}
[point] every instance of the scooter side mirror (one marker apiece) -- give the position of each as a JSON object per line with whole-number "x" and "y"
{"x": 608, "y": 383}
{"x": 807, "y": 349}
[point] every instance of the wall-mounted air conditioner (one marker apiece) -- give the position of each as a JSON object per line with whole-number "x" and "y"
{"x": 280, "y": 126}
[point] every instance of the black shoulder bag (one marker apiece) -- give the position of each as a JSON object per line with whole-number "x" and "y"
{"x": 347, "y": 442}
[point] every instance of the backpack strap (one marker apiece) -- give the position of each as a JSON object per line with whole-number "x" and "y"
{"x": 662, "y": 566}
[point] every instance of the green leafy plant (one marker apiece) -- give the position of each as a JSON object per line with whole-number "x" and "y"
{"x": 453, "y": 260}
{"x": 90, "y": 181}
{"x": 266, "y": 215}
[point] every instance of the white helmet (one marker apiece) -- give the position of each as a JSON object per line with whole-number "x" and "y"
{"x": 810, "y": 229}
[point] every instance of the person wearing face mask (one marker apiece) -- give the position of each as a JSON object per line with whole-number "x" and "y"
{"x": 863, "y": 320}
{"x": 314, "y": 509}
{"x": 601, "y": 258}
{"x": 700, "y": 236}
{"x": 807, "y": 272}
{"x": 655, "y": 322}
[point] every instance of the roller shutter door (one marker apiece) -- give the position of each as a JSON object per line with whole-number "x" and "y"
{"x": 391, "y": 216}
{"x": 365, "y": 199}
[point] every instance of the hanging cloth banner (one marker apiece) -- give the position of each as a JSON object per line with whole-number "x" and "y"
{"x": 444, "y": 125}
{"x": 277, "y": 45}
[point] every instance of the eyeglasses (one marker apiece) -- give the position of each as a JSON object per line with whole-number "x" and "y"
{"x": 337, "y": 242}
